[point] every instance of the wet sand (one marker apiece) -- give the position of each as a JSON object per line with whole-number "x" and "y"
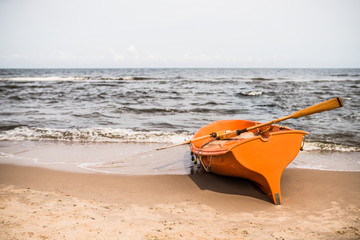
{"x": 40, "y": 203}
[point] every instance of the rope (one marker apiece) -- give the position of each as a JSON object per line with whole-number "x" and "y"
{"x": 303, "y": 143}
{"x": 207, "y": 169}
{"x": 271, "y": 126}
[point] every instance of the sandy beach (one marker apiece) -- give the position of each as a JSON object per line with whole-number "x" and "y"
{"x": 90, "y": 91}
{"x": 38, "y": 203}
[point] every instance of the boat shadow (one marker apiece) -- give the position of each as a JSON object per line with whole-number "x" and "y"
{"x": 207, "y": 181}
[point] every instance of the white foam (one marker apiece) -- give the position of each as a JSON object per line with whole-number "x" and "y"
{"x": 129, "y": 78}
{"x": 252, "y": 93}
{"x": 35, "y": 79}
{"x": 92, "y": 135}
{"x": 84, "y": 135}
{"x": 318, "y": 146}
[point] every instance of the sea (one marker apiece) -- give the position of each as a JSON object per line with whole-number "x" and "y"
{"x": 165, "y": 106}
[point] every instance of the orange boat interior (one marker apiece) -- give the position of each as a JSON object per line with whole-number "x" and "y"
{"x": 231, "y": 125}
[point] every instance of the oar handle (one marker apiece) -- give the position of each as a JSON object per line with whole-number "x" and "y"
{"x": 187, "y": 142}
{"x": 228, "y": 134}
{"x": 174, "y": 145}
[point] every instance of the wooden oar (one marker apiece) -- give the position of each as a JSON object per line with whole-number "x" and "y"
{"x": 320, "y": 107}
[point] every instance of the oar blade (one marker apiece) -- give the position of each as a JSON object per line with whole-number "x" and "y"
{"x": 321, "y": 107}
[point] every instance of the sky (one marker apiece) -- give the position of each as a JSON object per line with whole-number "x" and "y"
{"x": 179, "y": 33}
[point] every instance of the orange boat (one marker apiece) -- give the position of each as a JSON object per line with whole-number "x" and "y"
{"x": 256, "y": 151}
{"x": 260, "y": 155}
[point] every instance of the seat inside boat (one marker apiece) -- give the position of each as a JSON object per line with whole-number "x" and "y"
{"x": 227, "y": 142}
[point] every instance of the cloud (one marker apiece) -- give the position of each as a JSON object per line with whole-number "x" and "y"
{"x": 17, "y": 56}
{"x": 132, "y": 49}
{"x": 117, "y": 57}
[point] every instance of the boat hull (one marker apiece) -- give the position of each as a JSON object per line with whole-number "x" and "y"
{"x": 261, "y": 158}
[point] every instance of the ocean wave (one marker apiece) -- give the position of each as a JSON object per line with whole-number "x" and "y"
{"x": 129, "y": 78}
{"x": 10, "y": 127}
{"x": 261, "y": 79}
{"x": 149, "y": 110}
{"x": 39, "y": 79}
{"x": 319, "y": 146}
{"x": 171, "y": 111}
{"x": 252, "y": 93}
{"x": 75, "y": 78}
{"x": 24, "y": 133}
{"x": 345, "y": 75}
{"x": 111, "y": 135}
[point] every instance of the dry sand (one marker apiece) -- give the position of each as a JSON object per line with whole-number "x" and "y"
{"x": 39, "y": 203}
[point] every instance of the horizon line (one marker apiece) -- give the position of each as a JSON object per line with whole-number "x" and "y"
{"x": 179, "y": 67}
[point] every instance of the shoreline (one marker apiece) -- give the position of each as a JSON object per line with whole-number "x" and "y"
{"x": 48, "y": 204}
{"x": 142, "y": 158}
